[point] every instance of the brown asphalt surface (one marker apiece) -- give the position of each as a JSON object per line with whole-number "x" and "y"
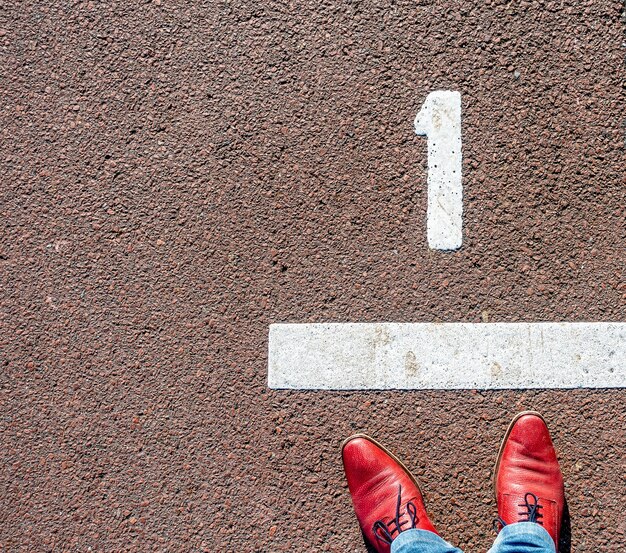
{"x": 179, "y": 175}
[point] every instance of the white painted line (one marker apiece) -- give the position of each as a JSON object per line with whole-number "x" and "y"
{"x": 440, "y": 120}
{"x": 365, "y": 356}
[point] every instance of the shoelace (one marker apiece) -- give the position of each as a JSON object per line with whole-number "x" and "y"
{"x": 531, "y": 512}
{"x": 384, "y": 531}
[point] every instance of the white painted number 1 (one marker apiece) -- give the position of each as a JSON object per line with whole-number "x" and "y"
{"x": 440, "y": 120}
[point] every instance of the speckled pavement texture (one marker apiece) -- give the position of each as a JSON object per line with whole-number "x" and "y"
{"x": 179, "y": 175}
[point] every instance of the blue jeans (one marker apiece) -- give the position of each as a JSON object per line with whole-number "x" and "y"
{"x": 521, "y": 537}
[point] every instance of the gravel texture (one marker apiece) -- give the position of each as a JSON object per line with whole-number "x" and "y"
{"x": 179, "y": 175}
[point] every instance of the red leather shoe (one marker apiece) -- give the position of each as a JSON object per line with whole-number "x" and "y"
{"x": 528, "y": 480}
{"x": 386, "y": 497}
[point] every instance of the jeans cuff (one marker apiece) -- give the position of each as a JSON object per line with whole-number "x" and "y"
{"x": 429, "y": 541}
{"x": 517, "y": 530}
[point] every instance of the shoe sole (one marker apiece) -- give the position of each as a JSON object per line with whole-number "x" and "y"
{"x": 506, "y": 437}
{"x": 381, "y": 446}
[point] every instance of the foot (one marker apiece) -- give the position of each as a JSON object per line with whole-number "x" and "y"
{"x": 528, "y": 480}
{"x": 386, "y": 497}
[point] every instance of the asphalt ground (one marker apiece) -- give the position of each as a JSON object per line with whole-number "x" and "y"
{"x": 179, "y": 175}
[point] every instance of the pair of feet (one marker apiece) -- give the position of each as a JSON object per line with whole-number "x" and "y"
{"x": 387, "y": 499}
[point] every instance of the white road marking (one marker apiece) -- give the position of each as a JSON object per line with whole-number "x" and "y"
{"x": 366, "y": 356}
{"x": 440, "y": 120}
